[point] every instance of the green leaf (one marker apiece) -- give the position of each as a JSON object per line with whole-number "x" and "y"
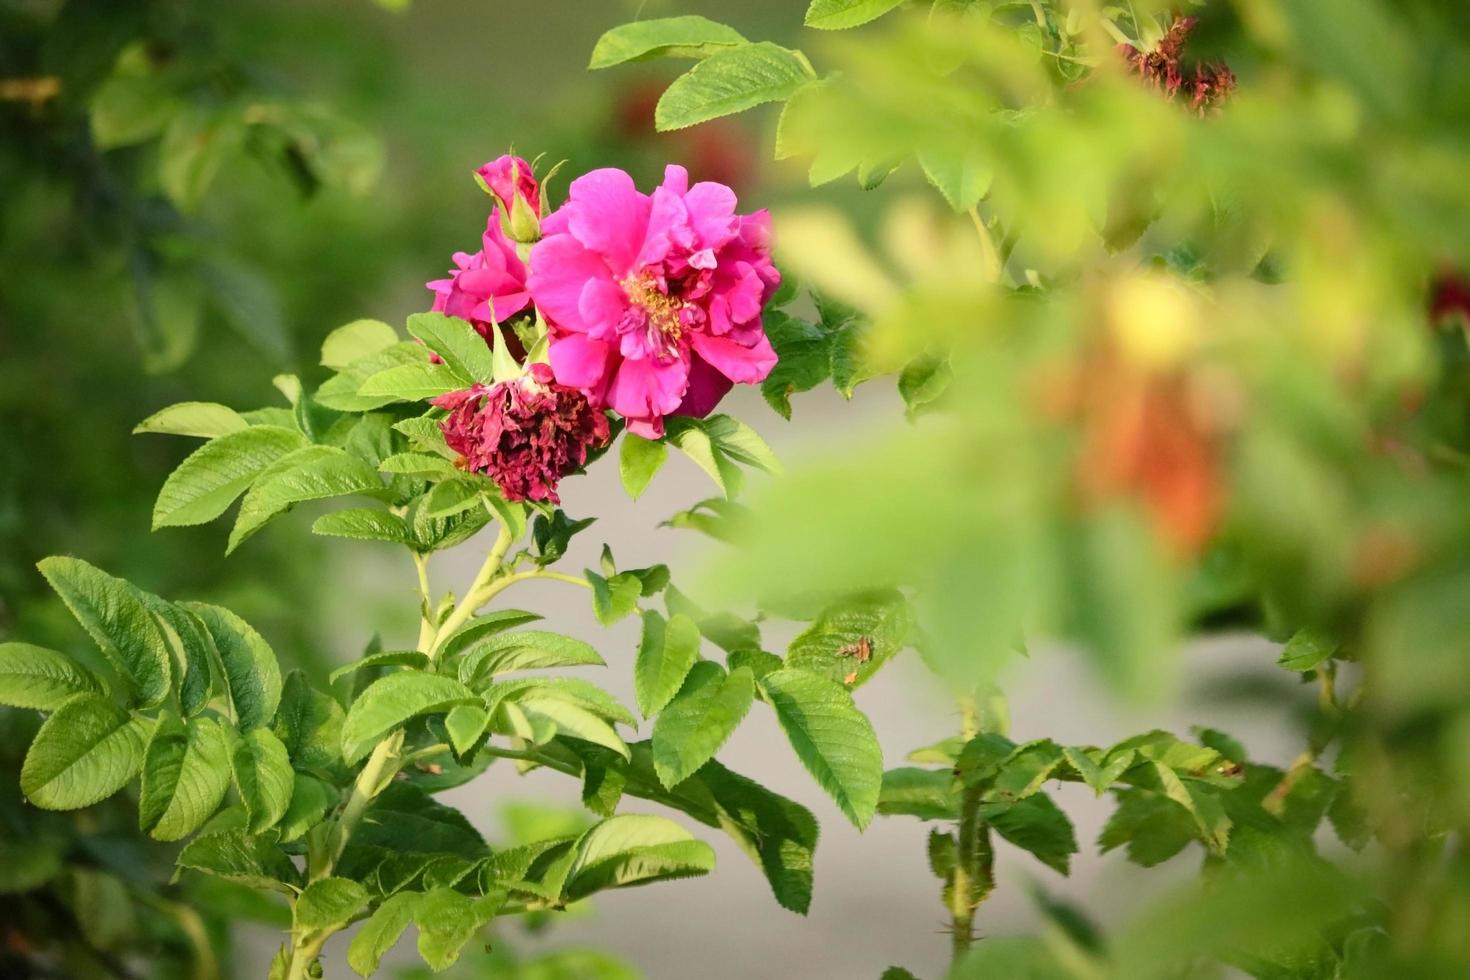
{"x": 928, "y": 794}
{"x": 457, "y": 343}
{"x": 113, "y": 612}
{"x": 853, "y": 637}
{"x": 310, "y": 800}
{"x": 486, "y": 624}
{"x": 381, "y": 932}
{"x": 363, "y": 524}
{"x": 1024, "y": 773}
{"x": 958, "y": 173}
{"x": 447, "y": 920}
{"x": 237, "y": 856}
{"x": 424, "y": 465}
{"x": 35, "y": 677}
{"x": 923, "y": 381}
{"x": 552, "y": 535}
{"x": 638, "y": 460}
{"x": 383, "y": 658}
{"x": 1202, "y": 804}
{"x": 731, "y": 81}
{"x": 635, "y": 849}
{"x": 210, "y": 478}
{"x": 340, "y": 391}
{"x": 311, "y": 473}
{"x": 572, "y": 689}
{"x": 186, "y": 773}
{"x": 192, "y": 649}
{"x": 263, "y": 777}
{"x": 195, "y": 145}
{"x": 1306, "y": 649}
{"x": 391, "y": 701}
{"x": 413, "y": 382}
{"x": 207, "y": 419}
{"x": 465, "y": 723}
{"x": 1098, "y": 775}
{"x": 571, "y": 718}
{"x": 1035, "y": 824}
{"x": 716, "y": 444}
{"x": 252, "y": 672}
{"x": 664, "y": 37}
{"x": 834, "y": 15}
{"x": 135, "y": 103}
{"x": 85, "y": 751}
{"x": 328, "y": 904}
{"x": 500, "y": 653}
{"x": 1153, "y": 827}
{"x": 613, "y": 598}
{"x": 803, "y": 359}
{"x": 831, "y": 737}
{"x": 701, "y": 718}
{"x": 309, "y": 724}
{"x": 665, "y": 654}
{"x": 356, "y": 340}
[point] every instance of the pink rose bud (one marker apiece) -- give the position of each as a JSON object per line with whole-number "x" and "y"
{"x": 512, "y": 183}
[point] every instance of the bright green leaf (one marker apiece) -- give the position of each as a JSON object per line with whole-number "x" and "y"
{"x": 206, "y": 419}
{"x": 85, "y": 751}
{"x": 209, "y": 479}
{"x": 831, "y": 737}
{"x": 731, "y": 81}
{"x": 700, "y": 719}
{"x": 35, "y": 677}
{"x": 664, "y": 37}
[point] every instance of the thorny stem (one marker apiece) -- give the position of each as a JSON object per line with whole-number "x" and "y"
{"x": 971, "y": 880}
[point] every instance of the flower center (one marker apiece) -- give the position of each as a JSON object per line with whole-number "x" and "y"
{"x": 664, "y": 324}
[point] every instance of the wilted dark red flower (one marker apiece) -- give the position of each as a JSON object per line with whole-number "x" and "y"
{"x": 524, "y": 434}
{"x": 1206, "y": 88}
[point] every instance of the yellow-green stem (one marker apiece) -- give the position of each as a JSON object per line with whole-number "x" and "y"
{"x": 477, "y": 594}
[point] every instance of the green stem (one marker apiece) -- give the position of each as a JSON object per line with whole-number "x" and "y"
{"x": 994, "y": 268}
{"x": 480, "y": 591}
{"x": 381, "y": 766}
{"x": 304, "y": 952}
{"x": 969, "y": 882}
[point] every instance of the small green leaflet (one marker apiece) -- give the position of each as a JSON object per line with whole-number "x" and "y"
{"x": 635, "y": 849}
{"x": 210, "y": 478}
{"x": 383, "y": 658}
{"x": 113, "y": 612}
{"x": 615, "y": 597}
{"x": 500, "y": 653}
{"x": 355, "y": 340}
{"x": 700, "y": 719}
{"x": 391, "y": 701}
{"x": 237, "y": 856}
{"x": 1306, "y": 649}
{"x": 832, "y": 15}
{"x": 716, "y": 444}
{"x": 731, "y": 81}
{"x": 413, "y": 382}
{"x": 666, "y": 652}
{"x": 381, "y": 932}
{"x": 35, "y": 677}
{"x": 310, "y": 473}
{"x": 831, "y": 737}
{"x": 928, "y": 794}
{"x": 85, "y": 751}
{"x": 465, "y": 723}
{"x": 853, "y": 637}
{"x": 329, "y": 904}
{"x": 363, "y": 524}
{"x": 262, "y": 769}
{"x": 1035, "y": 824}
{"x": 663, "y": 37}
{"x": 309, "y": 724}
{"x": 186, "y": 773}
{"x": 252, "y": 672}
{"x": 206, "y": 419}
{"x": 639, "y": 460}
{"x": 462, "y": 349}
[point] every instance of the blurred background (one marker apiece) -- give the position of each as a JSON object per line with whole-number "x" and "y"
{"x": 195, "y": 193}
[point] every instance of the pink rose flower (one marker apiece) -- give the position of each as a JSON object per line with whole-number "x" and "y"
{"x": 487, "y": 286}
{"x": 654, "y": 301}
{"x": 525, "y": 434}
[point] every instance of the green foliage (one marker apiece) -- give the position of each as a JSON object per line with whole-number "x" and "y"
{"x": 729, "y": 81}
{"x": 699, "y": 719}
{"x": 186, "y": 773}
{"x": 665, "y": 37}
{"x": 86, "y": 750}
{"x": 832, "y": 15}
{"x": 831, "y": 737}
{"x": 666, "y": 653}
